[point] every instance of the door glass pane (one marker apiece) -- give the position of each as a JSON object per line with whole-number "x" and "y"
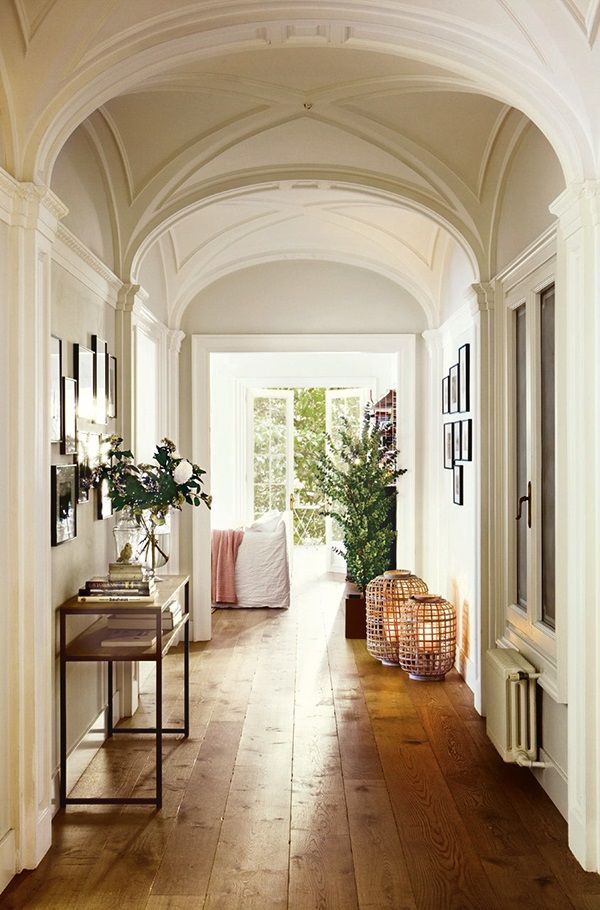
{"x": 521, "y": 450}
{"x": 270, "y": 455}
{"x": 548, "y": 456}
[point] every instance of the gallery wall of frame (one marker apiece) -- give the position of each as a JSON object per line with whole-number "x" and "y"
{"x": 81, "y": 407}
{"x": 458, "y": 433}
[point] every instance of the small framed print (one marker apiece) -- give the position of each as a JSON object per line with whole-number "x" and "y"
{"x": 457, "y": 440}
{"x": 88, "y": 454}
{"x": 458, "y": 485}
{"x": 100, "y": 349}
{"x": 69, "y": 416}
{"x": 454, "y": 389}
{"x": 111, "y": 408}
{"x": 55, "y": 388}
{"x": 445, "y": 395}
{"x": 64, "y": 503}
{"x": 466, "y": 440}
{"x": 448, "y": 445}
{"x": 104, "y": 507}
{"x": 83, "y": 367}
{"x": 464, "y": 382}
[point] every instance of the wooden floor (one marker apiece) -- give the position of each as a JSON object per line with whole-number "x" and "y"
{"x": 313, "y": 778}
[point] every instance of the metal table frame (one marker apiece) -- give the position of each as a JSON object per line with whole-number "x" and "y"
{"x": 163, "y": 642}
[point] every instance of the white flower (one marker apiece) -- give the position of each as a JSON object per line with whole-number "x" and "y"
{"x": 183, "y": 472}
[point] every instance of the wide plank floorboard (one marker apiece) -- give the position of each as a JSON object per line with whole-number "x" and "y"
{"x": 313, "y": 779}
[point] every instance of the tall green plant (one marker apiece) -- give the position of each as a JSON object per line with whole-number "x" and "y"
{"x": 353, "y": 477}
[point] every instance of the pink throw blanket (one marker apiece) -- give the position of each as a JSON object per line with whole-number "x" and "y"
{"x": 224, "y": 549}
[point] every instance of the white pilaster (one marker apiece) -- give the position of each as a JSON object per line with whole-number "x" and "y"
{"x": 432, "y": 445}
{"x": 578, "y": 500}
{"x": 174, "y": 340}
{"x": 131, "y": 298}
{"x": 32, "y": 231}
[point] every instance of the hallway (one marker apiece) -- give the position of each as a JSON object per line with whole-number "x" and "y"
{"x": 314, "y": 778}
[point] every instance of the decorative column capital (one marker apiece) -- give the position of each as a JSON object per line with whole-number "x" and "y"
{"x": 131, "y": 296}
{"x": 484, "y": 297}
{"x": 174, "y": 340}
{"x": 433, "y": 341}
{"x": 577, "y": 201}
{"x": 31, "y": 206}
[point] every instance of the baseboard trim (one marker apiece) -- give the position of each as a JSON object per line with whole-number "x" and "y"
{"x": 8, "y": 858}
{"x": 553, "y": 781}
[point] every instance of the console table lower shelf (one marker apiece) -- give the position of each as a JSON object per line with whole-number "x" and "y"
{"x": 88, "y": 647}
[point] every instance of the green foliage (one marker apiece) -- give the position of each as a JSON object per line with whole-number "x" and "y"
{"x": 352, "y": 477}
{"x": 309, "y": 451}
{"x": 155, "y": 488}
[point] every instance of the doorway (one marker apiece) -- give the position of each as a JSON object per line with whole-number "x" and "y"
{"x": 225, "y": 367}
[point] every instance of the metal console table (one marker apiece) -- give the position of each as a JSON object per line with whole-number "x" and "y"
{"x": 87, "y": 647}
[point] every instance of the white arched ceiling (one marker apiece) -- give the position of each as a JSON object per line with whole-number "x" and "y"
{"x": 300, "y": 221}
{"x": 530, "y": 54}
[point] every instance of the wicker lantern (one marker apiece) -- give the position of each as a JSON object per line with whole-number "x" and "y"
{"x": 427, "y": 637}
{"x": 386, "y": 597}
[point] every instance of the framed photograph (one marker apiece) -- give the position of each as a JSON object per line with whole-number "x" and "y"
{"x": 458, "y": 484}
{"x": 64, "y": 503}
{"x": 100, "y": 349}
{"x": 464, "y": 381}
{"x": 454, "y": 389}
{"x": 69, "y": 416}
{"x": 83, "y": 367}
{"x": 445, "y": 395}
{"x": 457, "y": 439}
{"x": 466, "y": 440}
{"x": 104, "y": 507}
{"x": 88, "y": 454}
{"x": 112, "y": 386}
{"x": 448, "y": 446}
{"x": 55, "y": 389}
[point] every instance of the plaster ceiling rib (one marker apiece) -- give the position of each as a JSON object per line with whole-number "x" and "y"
{"x": 505, "y": 5}
{"x": 99, "y": 153}
{"x": 593, "y": 22}
{"x": 121, "y": 148}
{"x": 225, "y": 84}
{"x": 392, "y": 85}
{"x": 29, "y": 26}
{"x": 246, "y": 227}
{"x": 489, "y": 147}
{"x": 422, "y": 255}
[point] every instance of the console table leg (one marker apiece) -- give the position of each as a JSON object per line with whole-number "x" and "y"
{"x": 109, "y": 704}
{"x": 63, "y": 712}
{"x": 186, "y": 680}
{"x": 159, "y": 722}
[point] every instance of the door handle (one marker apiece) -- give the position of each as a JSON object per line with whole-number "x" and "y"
{"x": 526, "y": 499}
{"x": 292, "y": 502}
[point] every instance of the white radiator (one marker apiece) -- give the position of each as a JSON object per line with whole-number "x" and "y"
{"x": 510, "y": 691}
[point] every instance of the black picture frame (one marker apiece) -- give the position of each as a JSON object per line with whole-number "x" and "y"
{"x": 100, "y": 349}
{"x": 63, "y": 486}
{"x": 55, "y": 389}
{"x": 454, "y": 392}
{"x": 68, "y": 444}
{"x": 466, "y": 440}
{"x": 88, "y": 454}
{"x": 83, "y": 368}
{"x": 448, "y": 446}
{"x": 111, "y": 404}
{"x": 446, "y": 395}
{"x": 457, "y": 441}
{"x": 464, "y": 384}
{"x": 458, "y": 485}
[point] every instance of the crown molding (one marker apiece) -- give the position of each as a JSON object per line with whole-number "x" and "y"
{"x": 532, "y": 257}
{"x": 174, "y": 340}
{"x": 74, "y": 256}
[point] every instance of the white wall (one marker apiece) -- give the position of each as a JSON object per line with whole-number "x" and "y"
{"x": 532, "y": 181}
{"x": 77, "y": 313}
{"x": 231, "y": 377}
{"x": 6, "y": 842}
{"x": 146, "y": 412}
{"x": 78, "y": 181}
{"x": 152, "y": 279}
{"x": 304, "y": 296}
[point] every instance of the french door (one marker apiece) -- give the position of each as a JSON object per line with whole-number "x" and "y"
{"x": 271, "y": 450}
{"x": 531, "y": 611}
{"x": 341, "y": 405}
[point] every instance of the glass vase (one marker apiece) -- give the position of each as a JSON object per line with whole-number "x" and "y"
{"x": 128, "y": 535}
{"x": 154, "y": 548}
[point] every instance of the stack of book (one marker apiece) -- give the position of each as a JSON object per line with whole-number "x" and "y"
{"x": 104, "y": 589}
{"x": 171, "y": 616}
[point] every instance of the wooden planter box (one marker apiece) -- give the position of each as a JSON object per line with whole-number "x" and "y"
{"x": 355, "y": 612}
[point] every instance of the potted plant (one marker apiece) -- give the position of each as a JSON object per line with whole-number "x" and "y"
{"x": 147, "y": 492}
{"x": 354, "y": 479}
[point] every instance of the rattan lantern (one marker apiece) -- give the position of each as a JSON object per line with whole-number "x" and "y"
{"x": 427, "y": 637}
{"x": 386, "y": 597}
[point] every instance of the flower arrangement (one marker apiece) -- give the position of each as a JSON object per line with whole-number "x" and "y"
{"x": 149, "y": 491}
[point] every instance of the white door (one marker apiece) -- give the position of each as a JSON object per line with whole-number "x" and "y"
{"x": 341, "y": 405}
{"x": 270, "y": 451}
